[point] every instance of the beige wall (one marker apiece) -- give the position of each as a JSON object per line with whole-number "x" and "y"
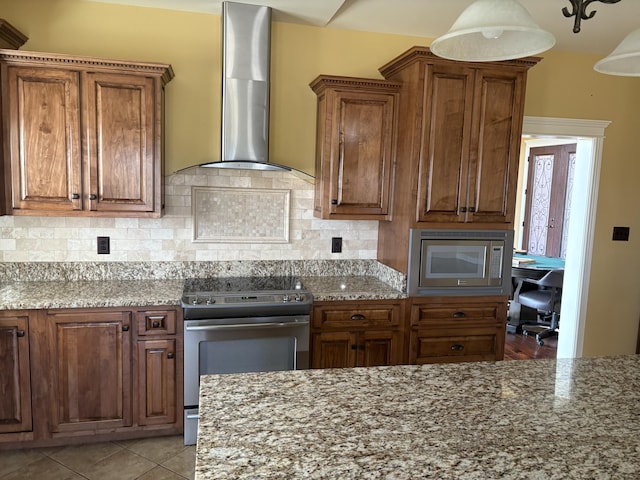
{"x": 562, "y": 85}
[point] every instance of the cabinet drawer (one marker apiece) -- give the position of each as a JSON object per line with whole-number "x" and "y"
{"x": 476, "y": 345}
{"x": 157, "y": 322}
{"x": 422, "y": 315}
{"x": 354, "y": 316}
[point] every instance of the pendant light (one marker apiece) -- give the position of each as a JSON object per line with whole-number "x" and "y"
{"x": 625, "y": 59}
{"x": 493, "y": 30}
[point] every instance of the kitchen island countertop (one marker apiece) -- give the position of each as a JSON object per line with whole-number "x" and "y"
{"x": 528, "y": 419}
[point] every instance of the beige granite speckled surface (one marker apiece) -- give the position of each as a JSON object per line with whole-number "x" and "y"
{"x": 106, "y": 293}
{"x": 530, "y": 419}
{"x": 126, "y": 293}
{"x": 350, "y": 288}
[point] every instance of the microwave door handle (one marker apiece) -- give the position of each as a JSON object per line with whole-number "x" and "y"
{"x": 235, "y": 326}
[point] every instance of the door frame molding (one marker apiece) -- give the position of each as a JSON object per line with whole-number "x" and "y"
{"x": 589, "y": 135}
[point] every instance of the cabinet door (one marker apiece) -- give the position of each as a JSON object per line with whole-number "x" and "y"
{"x": 43, "y": 138}
{"x": 377, "y": 348}
{"x": 361, "y": 166}
{"x": 334, "y": 350}
{"x": 444, "y": 159}
{"x": 15, "y": 385}
{"x": 157, "y": 393}
{"x": 121, "y": 116}
{"x": 497, "y": 131}
{"x": 91, "y": 369}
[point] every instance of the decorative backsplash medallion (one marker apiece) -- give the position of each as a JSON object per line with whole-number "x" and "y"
{"x": 240, "y": 215}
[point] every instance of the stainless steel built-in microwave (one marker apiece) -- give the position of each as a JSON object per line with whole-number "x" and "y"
{"x": 459, "y": 262}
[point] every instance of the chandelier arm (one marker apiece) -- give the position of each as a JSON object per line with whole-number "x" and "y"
{"x": 579, "y": 11}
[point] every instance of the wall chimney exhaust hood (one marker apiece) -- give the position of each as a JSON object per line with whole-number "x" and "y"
{"x": 246, "y": 55}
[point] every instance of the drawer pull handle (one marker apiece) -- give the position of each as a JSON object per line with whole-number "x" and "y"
{"x": 155, "y": 324}
{"x": 75, "y": 196}
{"x": 459, "y": 315}
{"x": 357, "y": 316}
{"x": 93, "y": 196}
{"x": 457, "y": 347}
{"x": 20, "y": 333}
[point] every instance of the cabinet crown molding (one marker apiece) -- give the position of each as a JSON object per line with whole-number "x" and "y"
{"x": 418, "y": 53}
{"x": 322, "y": 82}
{"x": 11, "y": 37}
{"x": 14, "y": 57}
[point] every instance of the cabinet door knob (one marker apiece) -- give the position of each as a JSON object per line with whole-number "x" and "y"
{"x": 75, "y": 196}
{"x": 20, "y": 333}
{"x": 155, "y": 324}
{"x": 472, "y": 209}
{"x": 125, "y": 328}
{"x": 334, "y": 202}
{"x": 457, "y": 347}
{"x": 93, "y": 196}
{"x": 459, "y": 315}
{"x": 170, "y": 355}
{"x": 463, "y": 209}
{"x": 357, "y": 316}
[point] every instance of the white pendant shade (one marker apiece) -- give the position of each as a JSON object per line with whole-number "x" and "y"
{"x": 625, "y": 59}
{"x": 492, "y": 30}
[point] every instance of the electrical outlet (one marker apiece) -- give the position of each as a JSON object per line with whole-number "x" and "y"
{"x": 104, "y": 245}
{"x": 336, "y": 245}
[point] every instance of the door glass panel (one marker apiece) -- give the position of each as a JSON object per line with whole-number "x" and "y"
{"x": 540, "y": 203}
{"x": 247, "y": 355}
{"x": 567, "y": 203}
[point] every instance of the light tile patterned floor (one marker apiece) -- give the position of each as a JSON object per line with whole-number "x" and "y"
{"x": 160, "y": 458}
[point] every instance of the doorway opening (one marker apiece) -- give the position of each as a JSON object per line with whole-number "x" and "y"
{"x": 588, "y": 135}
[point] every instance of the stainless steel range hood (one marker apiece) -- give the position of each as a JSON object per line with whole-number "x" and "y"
{"x": 246, "y": 52}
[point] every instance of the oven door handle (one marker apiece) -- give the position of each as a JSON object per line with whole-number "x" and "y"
{"x": 234, "y": 326}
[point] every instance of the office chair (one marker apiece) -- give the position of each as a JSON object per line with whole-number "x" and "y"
{"x": 546, "y": 300}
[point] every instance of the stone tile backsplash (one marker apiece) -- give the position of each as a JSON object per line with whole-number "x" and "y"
{"x": 171, "y": 238}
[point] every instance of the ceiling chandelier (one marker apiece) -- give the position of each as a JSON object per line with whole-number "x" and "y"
{"x": 494, "y": 30}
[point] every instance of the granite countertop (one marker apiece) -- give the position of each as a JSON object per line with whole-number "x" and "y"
{"x": 126, "y": 293}
{"x": 528, "y": 419}
{"x": 335, "y": 288}
{"x": 95, "y": 293}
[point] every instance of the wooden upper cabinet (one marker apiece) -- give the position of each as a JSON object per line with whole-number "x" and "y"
{"x": 460, "y": 129}
{"x": 82, "y": 136}
{"x": 120, "y": 117}
{"x": 44, "y": 138}
{"x": 355, "y": 147}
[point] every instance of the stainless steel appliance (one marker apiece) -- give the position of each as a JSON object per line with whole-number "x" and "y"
{"x": 241, "y": 324}
{"x": 459, "y": 262}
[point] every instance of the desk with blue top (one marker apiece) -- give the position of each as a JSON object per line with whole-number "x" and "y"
{"x": 535, "y": 270}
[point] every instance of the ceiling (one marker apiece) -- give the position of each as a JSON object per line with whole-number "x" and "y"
{"x": 432, "y": 18}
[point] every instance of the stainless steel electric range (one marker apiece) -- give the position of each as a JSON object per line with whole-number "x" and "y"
{"x": 241, "y": 324}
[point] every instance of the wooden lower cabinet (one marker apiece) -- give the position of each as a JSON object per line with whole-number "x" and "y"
{"x": 356, "y": 334}
{"x": 91, "y": 371}
{"x": 15, "y": 381}
{"x": 457, "y": 329}
{"x": 96, "y": 374}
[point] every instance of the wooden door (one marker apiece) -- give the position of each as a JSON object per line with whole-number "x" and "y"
{"x": 378, "y": 348}
{"x": 444, "y": 155}
{"x": 44, "y": 138}
{"x": 157, "y": 393}
{"x": 121, "y": 116}
{"x": 91, "y": 370}
{"x": 495, "y": 145}
{"x": 334, "y": 349}
{"x": 15, "y": 384}
{"x": 548, "y": 197}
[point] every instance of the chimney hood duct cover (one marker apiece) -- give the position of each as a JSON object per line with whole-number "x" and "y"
{"x": 246, "y": 56}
